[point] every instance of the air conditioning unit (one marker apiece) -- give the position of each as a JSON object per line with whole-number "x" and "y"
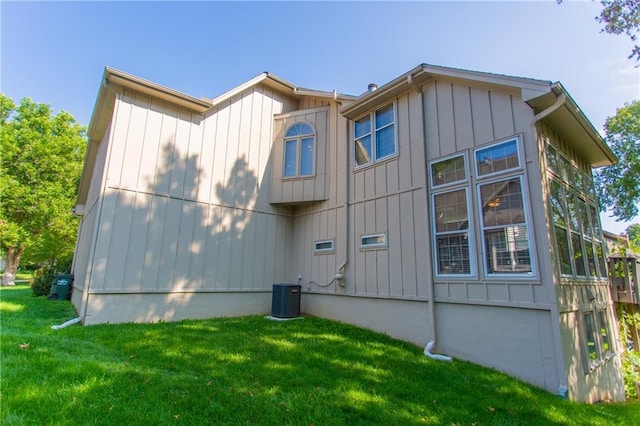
{"x": 285, "y": 301}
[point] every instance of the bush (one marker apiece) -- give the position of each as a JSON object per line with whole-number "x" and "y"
{"x": 42, "y": 279}
{"x": 631, "y": 372}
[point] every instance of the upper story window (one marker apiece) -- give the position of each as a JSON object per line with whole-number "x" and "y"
{"x": 498, "y": 158}
{"x": 298, "y": 150}
{"x": 375, "y": 136}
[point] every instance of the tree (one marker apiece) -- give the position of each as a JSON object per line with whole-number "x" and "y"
{"x": 622, "y": 17}
{"x": 618, "y": 185}
{"x": 42, "y": 157}
{"x": 633, "y": 232}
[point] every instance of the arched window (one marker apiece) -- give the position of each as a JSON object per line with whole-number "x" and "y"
{"x": 298, "y": 150}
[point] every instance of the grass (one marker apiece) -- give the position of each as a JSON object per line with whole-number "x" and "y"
{"x": 251, "y": 370}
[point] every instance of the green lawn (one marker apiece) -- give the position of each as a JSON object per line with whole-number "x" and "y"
{"x": 250, "y": 370}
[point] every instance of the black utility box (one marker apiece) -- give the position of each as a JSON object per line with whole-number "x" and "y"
{"x": 285, "y": 302}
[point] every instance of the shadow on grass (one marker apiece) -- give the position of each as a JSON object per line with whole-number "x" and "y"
{"x": 252, "y": 370}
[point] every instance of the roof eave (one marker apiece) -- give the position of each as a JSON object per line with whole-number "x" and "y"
{"x": 582, "y": 136}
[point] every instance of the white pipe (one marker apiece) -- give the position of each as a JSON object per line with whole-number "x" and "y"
{"x": 65, "y": 324}
{"x": 560, "y": 100}
{"x": 437, "y": 357}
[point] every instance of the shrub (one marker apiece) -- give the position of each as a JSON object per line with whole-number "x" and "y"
{"x": 42, "y": 279}
{"x": 631, "y": 372}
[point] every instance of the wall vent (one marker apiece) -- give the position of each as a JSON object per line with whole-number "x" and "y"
{"x": 285, "y": 301}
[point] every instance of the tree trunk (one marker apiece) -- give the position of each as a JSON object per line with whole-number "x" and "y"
{"x": 12, "y": 264}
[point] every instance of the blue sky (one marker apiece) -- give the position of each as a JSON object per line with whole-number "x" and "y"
{"x": 55, "y": 52}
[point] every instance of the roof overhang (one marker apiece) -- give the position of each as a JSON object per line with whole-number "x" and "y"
{"x": 568, "y": 120}
{"x": 572, "y": 125}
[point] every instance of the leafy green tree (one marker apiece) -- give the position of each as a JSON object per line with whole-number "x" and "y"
{"x": 622, "y": 17}
{"x": 40, "y": 165}
{"x": 633, "y": 232}
{"x": 619, "y": 184}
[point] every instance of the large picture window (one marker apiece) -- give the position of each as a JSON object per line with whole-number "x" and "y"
{"x": 504, "y": 227}
{"x": 375, "y": 136}
{"x": 298, "y": 150}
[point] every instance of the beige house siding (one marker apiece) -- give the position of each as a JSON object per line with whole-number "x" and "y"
{"x": 187, "y": 215}
{"x": 307, "y": 188}
{"x": 183, "y": 205}
{"x": 516, "y": 341}
{"x": 573, "y": 299}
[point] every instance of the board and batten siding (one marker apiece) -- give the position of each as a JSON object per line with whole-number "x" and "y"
{"x": 459, "y": 118}
{"x": 307, "y": 188}
{"x": 390, "y": 197}
{"x": 184, "y": 207}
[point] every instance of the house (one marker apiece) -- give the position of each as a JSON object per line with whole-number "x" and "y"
{"x": 447, "y": 205}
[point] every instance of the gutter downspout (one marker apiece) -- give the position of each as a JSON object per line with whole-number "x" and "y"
{"x": 560, "y": 100}
{"x": 563, "y": 386}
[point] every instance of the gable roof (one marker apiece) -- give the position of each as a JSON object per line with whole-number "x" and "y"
{"x": 566, "y": 118}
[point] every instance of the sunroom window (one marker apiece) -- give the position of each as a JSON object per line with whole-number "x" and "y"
{"x": 574, "y": 216}
{"x": 298, "y": 150}
{"x": 375, "y": 136}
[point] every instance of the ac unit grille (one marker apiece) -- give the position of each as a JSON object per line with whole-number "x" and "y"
{"x": 285, "y": 301}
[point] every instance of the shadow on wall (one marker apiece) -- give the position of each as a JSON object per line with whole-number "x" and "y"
{"x": 167, "y": 237}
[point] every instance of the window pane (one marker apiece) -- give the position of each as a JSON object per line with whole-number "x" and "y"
{"x": 591, "y": 259}
{"x": 573, "y": 212}
{"x": 584, "y": 218}
{"x": 601, "y": 260}
{"x": 589, "y": 330}
{"x": 451, "y": 211}
{"x": 299, "y": 129}
{"x": 498, "y": 158}
{"x": 565, "y": 169}
{"x": 306, "y": 157}
{"x": 385, "y": 142}
{"x": 595, "y": 222}
{"x": 502, "y": 203}
{"x": 552, "y": 161}
{"x": 448, "y": 171}
{"x": 362, "y": 127}
{"x": 578, "y": 256}
{"x": 564, "y": 257}
{"x": 373, "y": 240}
{"x": 363, "y": 150}
{"x": 578, "y": 180}
{"x": 604, "y": 331}
{"x": 591, "y": 189}
{"x": 507, "y": 250}
{"x": 558, "y": 213}
{"x": 384, "y": 116}
{"x": 453, "y": 254}
{"x": 290, "y": 157}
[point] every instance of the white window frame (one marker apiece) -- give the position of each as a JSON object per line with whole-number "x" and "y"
{"x": 578, "y": 192}
{"x": 449, "y": 184}
{"x": 370, "y": 246}
{"x": 298, "y": 140}
{"x": 515, "y": 139}
{"x": 372, "y": 132}
{"x": 526, "y": 224}
{"x": 469, "y": 231}
{"x": 317, "y": 250}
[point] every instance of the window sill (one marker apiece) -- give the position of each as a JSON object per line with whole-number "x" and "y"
{"x": 292, "y": 178}
{"x": 376, "y": 162}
